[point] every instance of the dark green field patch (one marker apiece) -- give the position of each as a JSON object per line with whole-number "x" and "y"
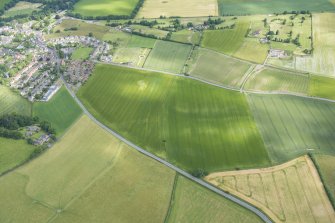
{"x": 187, "y": 122}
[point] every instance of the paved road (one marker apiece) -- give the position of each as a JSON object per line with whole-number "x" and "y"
{"x": 175, "y": 168}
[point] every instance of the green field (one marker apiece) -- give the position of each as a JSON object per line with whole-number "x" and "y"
{"x": 187, "y": 122}
{"x": 272, "y": 80}
{"x": 245, "y": 7}
{"x": 82, "y": 53}
{"x": 186, "y": 36}
{"x": 139, "y": 41}
{"x": 105, "y": 7}
{"x": 253, "y": 51}
{"x": 292, "y": 126}
{"x": 13, "y": 153}
{"x": 61, "y": 111}
{"x": 11, "y": 102}
{"x": 168, "y": 56}
{"x": 3, "y": 3}
{"x": 218, "y": 68}
{"x": 322, "y": 87}
{"x": 22, "y": 8}
{"x": 131, "y": 56}
{"x": 192, "y": 203}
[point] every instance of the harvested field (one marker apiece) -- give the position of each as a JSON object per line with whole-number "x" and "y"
{"x": 218, "y": 68}
{"x": 12, "y": 102}
{"x": 272, "y": 80}
{"x": 163, "y": 113}
{"x": 292, "y": 126}
{"x": 61, "y": 111}
{"x": 291, "y": 192}
{"x": 193, "y": 203}
{"x": 168, "y": 56}
{"x": 188, "y": 8}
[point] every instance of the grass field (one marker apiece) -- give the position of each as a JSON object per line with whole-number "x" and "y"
{"x": 245, "y": 7}
{"x": 278, "y": 81}
{"x": 194, "y": 203}
{"x": 161, "y": 34}
{"x": 218, "y": 68}
{"x": 323, "y": 58}
{"x": 139, "y": 41}
{"x": 82, "y": 53}
{"x": 322, "y": 87}
{"x": 186, "y": 36}
{"x": 22, "y": 8}
{"x": 188, "y": 8}
{"x": 131, "y": 56}
{"x": 61, "y": 111}
{"x": 326, "y": 166}
{"x": 291, "y": 192}
{"x": 13, "y": 153}
{"x": 189, "y": 123}
{"x": 12, "y": 102}
{"x": 292, "y": 126}
{"x": 105, "y": 7}
{"x": 3, "y": 3}
{"x": 168, "y": 56}
{"x": 253, "y": 51}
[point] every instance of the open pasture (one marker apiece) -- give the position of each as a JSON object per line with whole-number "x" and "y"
{"x": 12, "y": 102}
{"x": 168, "y": 56}
{"x": 216, "y": 67}
{"x": 188, "y": 8}
{"x": 196, "y": 204}
{"x": 61, "y": 111}
{"x": 149, "y": 31}
{"x": 131, "y": 56}
{"x": 105, "y": 7}
{"x": 292, "y": 126}
{"x": 186, "y": 36}
{"x": 186, "y": 122}
{"x": 246, "y": 7}
{"x": 272, "y": 80}
{"x": 22, "y": 8}
{"x": 143, "y": 42}
{"x": 291, "y": 192}
{"x": 82, "y": 53}
{"x": 322, "y": 87}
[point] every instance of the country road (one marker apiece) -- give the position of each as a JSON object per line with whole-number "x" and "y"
{"x": 234, "y": 199}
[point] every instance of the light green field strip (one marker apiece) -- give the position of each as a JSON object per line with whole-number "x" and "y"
{"x": 245, "y": 7}
{"x": 82, "y": 53}
{"x": 13, "y": 153}
{"x": 139, "y": 41}
{"x": 186, "y": 36}
{"x": 194, "y": 204}
{"x": 272, "y": 80}
{"x": 168, "y": 56}
{"x": 131, "y": 56}
{"x": 323, "y": 59}
{"x": 292, "y": 126}
{"x": 61, "y": 111}
{"x": 104, "y": 7}
{"x": 11, "y": 102}
{"x": 212, "y": 66}
{"x": 191, "y": 124}
{"x": 322, "y": 87}
{"x": 253, "y": 51}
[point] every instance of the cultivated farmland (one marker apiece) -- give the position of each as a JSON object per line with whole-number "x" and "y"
{"x": 218, "y": 68}
{"x": 139, "y": 41}
{"x": 278, "y": 81}
{"x": 12, "y": 102}
{"x": 291, "y": 125}
{"x": 164, "y": 113}
{"x": 105, "y": 7}
{"x": 188, "y": 8}
{"x": 186, "y": 36}
{"x": 168, "y": 56}
{"x": 61, "y": 111}
{"x": 322, "y": 87}
{"x": 193, "y": 203}
{"x": 291, "y": 192}
{"x": 243, "y": 7}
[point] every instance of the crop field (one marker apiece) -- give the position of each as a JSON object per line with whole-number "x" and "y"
{"x": 193, "y": 203}
{"x": 292, "y": 126}
{"x": 131, "y": 56}
{"x": 168, "y": 56}
{"x": 326, "y": 167}
{"x": 253, "y": 51}
{"x": 12, "y": 102}
{"x": 186, "y": 36}
{"x": 322, "y": 60}
{"x": 272, "y": 80}
{"x": 139, "y": 41}
{"x": 164, "y": 113}
{"x": 105, "y": 7}
{"x": 322, "y": 87}
{"x": 245, "y": 7}
{"x": 188, "y": 8}
{"x": 61, "y": 111}
{"x": 22, "y": 8}
{"x": 82, "y": 53}
{"x": 291, "y": 192}
{"x": 218, "y": 68}
{"x": 13, "y": 153}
